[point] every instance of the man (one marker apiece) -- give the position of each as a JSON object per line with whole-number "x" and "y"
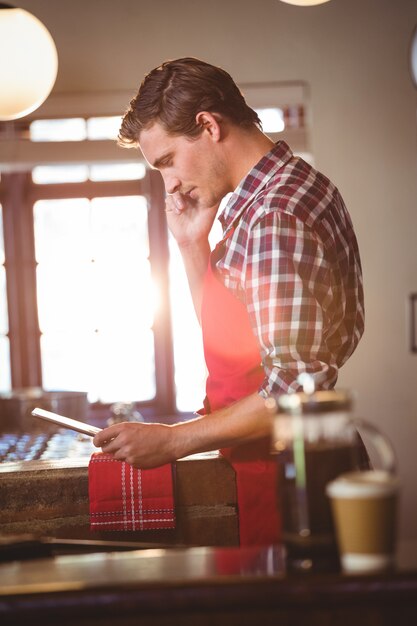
{"x": 280, "y": 295}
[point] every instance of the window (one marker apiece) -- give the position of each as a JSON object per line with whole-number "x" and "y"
{"x": 88, "y": 269}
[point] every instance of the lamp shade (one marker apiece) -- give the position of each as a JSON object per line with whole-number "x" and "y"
{"x": 305, "y": 3}
{"x": 28, "y": 63}
{"x": 413, "y": 57}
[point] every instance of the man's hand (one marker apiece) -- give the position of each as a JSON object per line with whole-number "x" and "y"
{"x": 188, "y": 221}
{"x": 140, "y": 445}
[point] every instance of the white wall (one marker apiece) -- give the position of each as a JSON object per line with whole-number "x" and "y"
{"x": 354, "y": 56}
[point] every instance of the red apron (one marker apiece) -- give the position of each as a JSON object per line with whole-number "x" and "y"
{"x": 234, "y": 371}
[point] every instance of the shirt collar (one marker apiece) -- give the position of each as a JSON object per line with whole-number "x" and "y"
{"x": 253, "y": 182}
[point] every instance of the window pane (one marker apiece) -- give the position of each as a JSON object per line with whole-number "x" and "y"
{"x": 110, "y": 366}
{"x": 272, "y": 120}
{"x": 123, "y": 367}
{"x": 49, "y": 174}
{"x": 103, "y": 127}
{"x": 119, "y": 228}
{"x": 96, "y": 297}
{"x": 66, "y": 359}
{"x": 117, "y": 171}
{"x": 64, "y": 296}
{"x": 122, "y": 295}
{"x": 71, "y": 129}
{"x": 62, "y": 230}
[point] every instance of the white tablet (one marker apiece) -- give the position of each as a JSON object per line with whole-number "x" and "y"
{"x": 66, "y": 422}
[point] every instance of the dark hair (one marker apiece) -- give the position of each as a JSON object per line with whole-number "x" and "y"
{"x": 175, "y": 92}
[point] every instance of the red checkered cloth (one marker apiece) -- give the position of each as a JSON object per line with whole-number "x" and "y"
{"x": 125, "y": 498}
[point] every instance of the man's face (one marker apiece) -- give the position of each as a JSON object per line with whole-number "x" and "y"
{"x": 193, "y": 167}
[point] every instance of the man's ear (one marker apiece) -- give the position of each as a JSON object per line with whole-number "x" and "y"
{"x": 209, "y": 122}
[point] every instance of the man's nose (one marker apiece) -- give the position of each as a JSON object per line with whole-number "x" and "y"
{"x": 172, "y": 184}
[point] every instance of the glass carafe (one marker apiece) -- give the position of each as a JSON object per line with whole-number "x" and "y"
{"x": 316, "y": 439}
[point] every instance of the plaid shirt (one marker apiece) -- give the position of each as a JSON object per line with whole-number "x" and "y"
{"x": 293, "y": 259}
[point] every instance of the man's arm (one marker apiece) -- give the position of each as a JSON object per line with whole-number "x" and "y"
{"x": 290, "y": 300}
{"x": 190, "y": 225}
{"x": 195, "y": 257}
{"x": 152, "y": 445}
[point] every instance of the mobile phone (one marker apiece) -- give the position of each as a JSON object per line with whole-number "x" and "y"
{"x": 66, "y": 422}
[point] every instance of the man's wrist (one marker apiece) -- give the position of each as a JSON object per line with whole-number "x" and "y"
{"x": 195, "y": 245}
{"x": 184, "y": 438}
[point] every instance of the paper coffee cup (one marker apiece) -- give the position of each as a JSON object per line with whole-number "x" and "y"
{"x": 364, "y": 507}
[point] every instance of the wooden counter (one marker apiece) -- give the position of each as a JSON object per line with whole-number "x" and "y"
{"x": 185, "y": 587}
{"x": 51, "y": 498}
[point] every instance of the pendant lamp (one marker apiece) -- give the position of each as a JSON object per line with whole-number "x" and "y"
{"x": 305, "y": 3}
{"x": 413, "y": 57}
{"x": 28, "y": 62}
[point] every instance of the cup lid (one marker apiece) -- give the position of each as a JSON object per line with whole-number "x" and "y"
{"x": 363, "y": 484}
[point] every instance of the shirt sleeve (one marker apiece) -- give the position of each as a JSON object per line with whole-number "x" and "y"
{"x": 288, "y": 289}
